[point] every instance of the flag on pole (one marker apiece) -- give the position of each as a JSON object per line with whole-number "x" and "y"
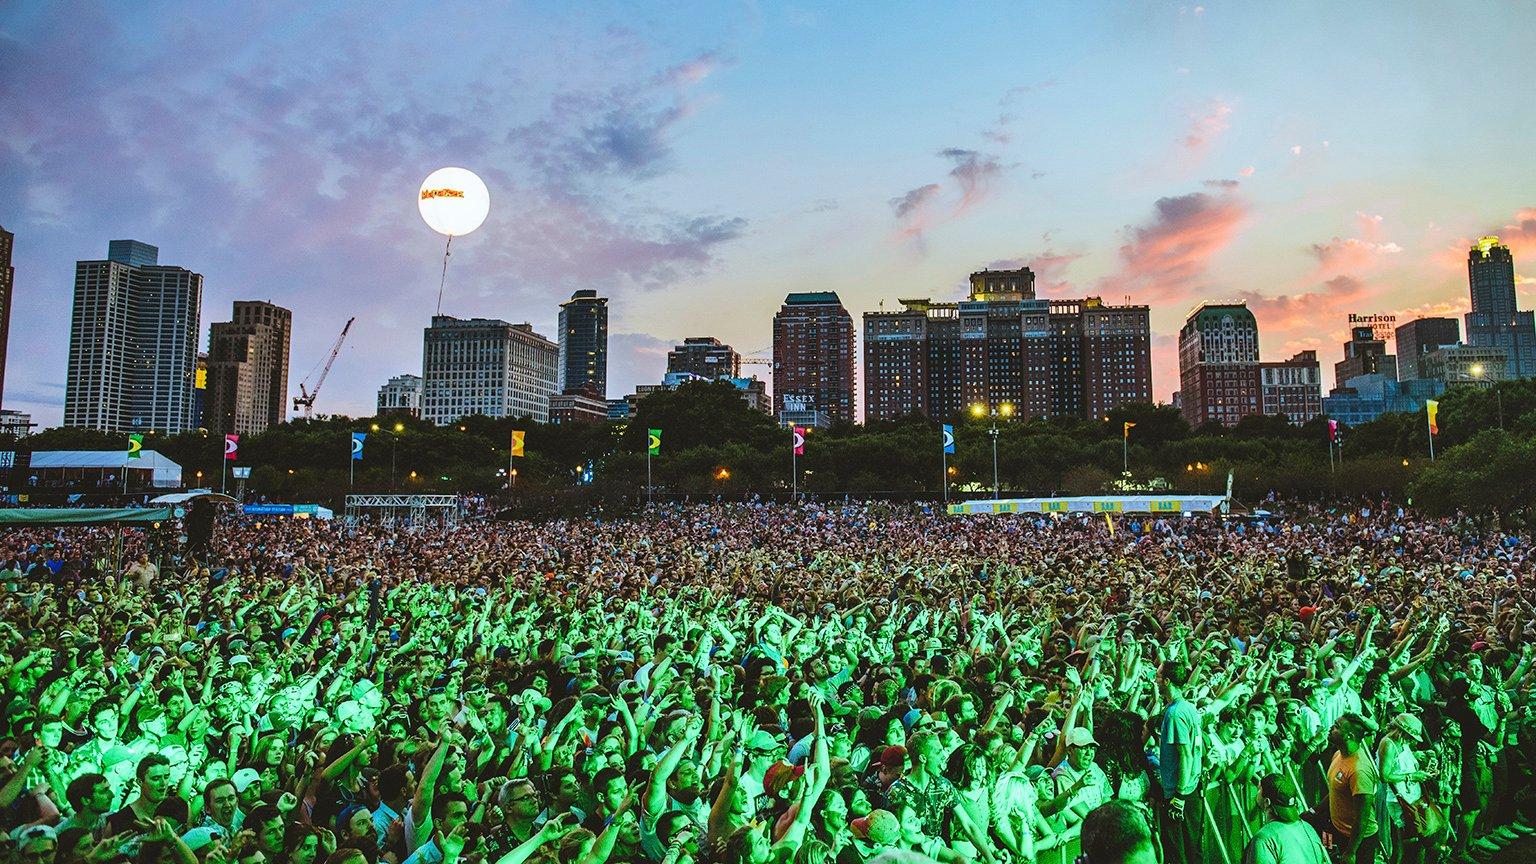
{"x": 357, "y": 445}
{"x": 135, "y": 446}
{"x": 1126, "y": 433}
{"x": 1432, "y": 408}
{"x": 800, "y": 440}
{"x": 949, "y": 438}
{"x": 1110, "y": 522}
{"x": 517, "y": 442}
{"x": 231, "y": 447}
{"x": 654, "y": 443}
{"x": 1333, "y": 429}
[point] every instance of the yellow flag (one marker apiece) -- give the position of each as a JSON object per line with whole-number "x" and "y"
{"x": 517, "y": 442}
{"x": 1432, "y": 408}
{"x": 1127, "y": 432}
{"x": 1111, "y": 523}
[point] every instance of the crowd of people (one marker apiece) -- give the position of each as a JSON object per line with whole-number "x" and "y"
{"x": 753, "y": 683}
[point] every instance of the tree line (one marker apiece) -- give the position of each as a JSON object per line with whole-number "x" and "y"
{"x": 713, "y": 443}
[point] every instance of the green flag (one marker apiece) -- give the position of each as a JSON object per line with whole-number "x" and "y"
{"x": 655, "y": 442}
{"x": 135, "y": 445}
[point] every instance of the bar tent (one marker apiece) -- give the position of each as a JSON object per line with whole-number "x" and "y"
{"x": 98, "y": 464}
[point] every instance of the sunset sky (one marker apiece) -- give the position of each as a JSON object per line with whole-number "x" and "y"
{"x": 697, "y": 162}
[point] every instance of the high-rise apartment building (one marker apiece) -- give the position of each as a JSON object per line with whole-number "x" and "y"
{"x": 486, "y": 366}
{"x": 7, "y": 286}
{"x": 1292, "y": 388}
{"x": 133, "y": 343}
{"x": 401, "y": 395}
{"x": 813, "y": 359}
{"x": 1078, "y": 358}
{"x": 1364, "y": 354}
{"x": 248, "y": 369}
{"x": 706, "y": 357}
{"x": 584, "y": 344}
{"x": 1494, "y": 321}
{"x": 1219, "y": 365}
{"x": 1419, "y": 337}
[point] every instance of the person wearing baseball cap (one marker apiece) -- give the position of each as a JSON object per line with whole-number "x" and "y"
{"x": 879, "y": 830}
{"x": 1080, "y": 784}
{"x": 1284, "y": 839}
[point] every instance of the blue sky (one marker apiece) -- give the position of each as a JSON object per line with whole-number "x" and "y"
{"x": 695, "y": 162}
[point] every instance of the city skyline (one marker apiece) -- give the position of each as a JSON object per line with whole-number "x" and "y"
{"x": 1174, "y": 155}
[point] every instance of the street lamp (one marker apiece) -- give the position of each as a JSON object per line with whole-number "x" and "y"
{"x": 398, "y": 428}
{"x": 1004, "y": 411}
{"x": 1481, "y": 374}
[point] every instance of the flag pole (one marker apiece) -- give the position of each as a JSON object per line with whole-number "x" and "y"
{"x": 647, "y": 476}
{"x": 944, "y": 472}
{"x": 794, "y": 470}
{"x": 351, "y": 465}
{"x": 1430, "y": 428}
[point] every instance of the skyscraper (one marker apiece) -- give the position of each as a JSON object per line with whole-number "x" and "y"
{"x": 7, "y": 285}
{"x": 584, "y": 343}
{"x": 1364, "y": 354}
{"x": 1494, "y": 321}
{"x": 133, "y": 343}
{"x": 1077, "y": 358}
{"x": 813, "y": 356}
{"x": 485, "y": 366}
{"x": 248, "y": 369}
{"x": 1419, "y": 337}
{"x": 706, "y": 357}
{"x": 1219, "y": 365}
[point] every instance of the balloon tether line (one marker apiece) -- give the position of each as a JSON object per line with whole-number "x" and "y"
{"x": 447, "y": 250}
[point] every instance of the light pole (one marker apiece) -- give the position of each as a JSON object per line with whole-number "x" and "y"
{"x": 1004, "y": 411}
{"x": 1481, "y": 373}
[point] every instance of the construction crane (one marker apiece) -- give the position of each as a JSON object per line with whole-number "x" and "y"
{"x": 761, "y": 357}
{"x": 306, "y": 397}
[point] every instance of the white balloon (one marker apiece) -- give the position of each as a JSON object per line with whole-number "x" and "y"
{"x": 454, "y": 201}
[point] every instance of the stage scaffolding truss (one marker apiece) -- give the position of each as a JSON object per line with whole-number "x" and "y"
{"x": 415, "y": 510}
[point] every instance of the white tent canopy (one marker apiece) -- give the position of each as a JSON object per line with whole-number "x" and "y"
{"x": 165, "y": 474}
{"x": 184, "y": 497}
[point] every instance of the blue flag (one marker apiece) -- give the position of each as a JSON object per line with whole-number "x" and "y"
{"x": 949, "y": 438}
{"x": 357, "y": 445}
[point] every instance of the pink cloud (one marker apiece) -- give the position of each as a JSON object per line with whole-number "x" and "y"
{"x": 1246, "y": 172}
{"x": 1206, "y": 125}
{"x": 975, "y": 173}
{"x": 1167, "y": 258}
{"x": 975, "y": 176}
{"x": 1351, "y": 254}
{"x": 1287, "y": 314}
{"x": 1354, "y": 255}
{"x": 914, "y": 211}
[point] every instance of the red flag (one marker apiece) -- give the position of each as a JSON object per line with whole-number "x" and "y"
{"x": 800, "y": 440}
{"x": 231, "y": 446}
{"x": 1333, "y": 430}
